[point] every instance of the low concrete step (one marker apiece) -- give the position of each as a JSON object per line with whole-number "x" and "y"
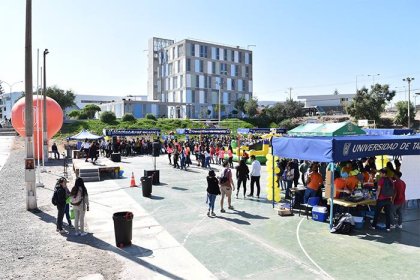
{"x": 90, "y": 179}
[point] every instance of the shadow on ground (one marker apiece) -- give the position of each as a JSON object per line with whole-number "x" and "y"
{"x": 133, "y": 252}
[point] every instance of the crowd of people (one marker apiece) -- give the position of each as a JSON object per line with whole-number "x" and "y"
{"x": 358, "y": 179}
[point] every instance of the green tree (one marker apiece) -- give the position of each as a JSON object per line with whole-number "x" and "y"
{"x": 216, "y": 109}
{"x": 293, "y": 109}
{"x": 74, "y": 114}
{"x": 251, "y": 107}
{"x": 64, "y": 98}
{"x": 370, "y": 104}
{"x": 402, "y": 113}
{"x": 108, "y": 117}
{"x": 91, "y": 110}
{"x": 275, "y": 113}
{"x": 240, "y": 104}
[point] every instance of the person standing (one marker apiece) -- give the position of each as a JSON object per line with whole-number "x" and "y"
{"x": 230, "y": 156}
{"x": 242, "y": 174}
{"x": 384, "y": 195}
{"x": 212, "y": 191}
{"x": 169, "y": 151}
{"x": 60, "y": 194}
{"x": 255, "y": 176}
{"x": 54, "y": 149}
{"x": 289, "y": 175}
{"x": 226, "y": 186}
{"x": 314, "y": 183}
{"x": 399, "y": 200}
{"x": 85, "y": 148}
{"x": 80, "y": 202}
{"x": 296, "y": 172}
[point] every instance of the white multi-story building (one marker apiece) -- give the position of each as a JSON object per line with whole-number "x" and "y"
{"x": 189, "y": 75}
{"x": 7, "y": 100}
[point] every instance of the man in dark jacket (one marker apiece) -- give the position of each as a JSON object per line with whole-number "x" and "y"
{"x": 61, "y": 202}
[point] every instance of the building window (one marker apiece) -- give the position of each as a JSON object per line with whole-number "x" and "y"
{"x": 232, "y": 55}
{"x": 188, "y": 66}
{"x": 223, "y": 68}
{"x": 233, "y": 84}
{"x": 234, "y": 70}
{"x": 200, "y": 66}
{"x": 247, "y": 71}
{"x": 192, "y": 50}
{"x": 208, "y": 81}
{"x": 203, "y": 51}
{"x": 197, "y": 81}
{"x": 225, "y": 51}
{"x": 250, "y": 58}
{"x": 170, "y": 65}
{"x": 181, "y": 81}
{"x": 213, "y": 67}
{"x": 217, "y": 53}
{"x": 180, "y": 50}
{"x": 240, "y": 57}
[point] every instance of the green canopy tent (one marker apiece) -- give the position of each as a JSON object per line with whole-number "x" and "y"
{"x": 327, "y": 129}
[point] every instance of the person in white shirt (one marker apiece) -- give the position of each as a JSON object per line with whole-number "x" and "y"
{"x": 255, "y": 176}
{"x": 85, "y": 148}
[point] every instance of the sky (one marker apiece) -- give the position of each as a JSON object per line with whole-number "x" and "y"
{"x": 312, "y": 46}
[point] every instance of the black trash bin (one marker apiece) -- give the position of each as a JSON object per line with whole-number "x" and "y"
{"x": 154, "y": 174}
{"x": 123, "y": 227}
{"x": 146, "y": 185}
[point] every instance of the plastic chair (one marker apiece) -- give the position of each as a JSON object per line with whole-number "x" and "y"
{"x": 312, "y": 201}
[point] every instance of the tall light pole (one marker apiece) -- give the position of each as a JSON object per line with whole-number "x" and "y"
{"x": 408, "y": 80}
{"x": 44, "y": 113}
{"x": 357, "y": 76}
{"x": 373, "y": 78}
{"x": 10, "y": 85}
{"x": 29, "y": 124}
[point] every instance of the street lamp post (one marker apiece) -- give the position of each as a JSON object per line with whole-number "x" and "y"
{"x": 44, "y": 113}
{"x": 373, "y": 78}
{"x": 357, "y": 88}
{"x": 11, "y": 85}
{"x": 408, "y": 80}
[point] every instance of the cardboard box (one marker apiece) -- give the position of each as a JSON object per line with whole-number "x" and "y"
{"x": 284, "y": 212}
{"x": 328, "y": 191}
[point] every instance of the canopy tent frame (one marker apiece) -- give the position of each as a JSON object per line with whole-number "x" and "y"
{"x": 83, "y": 135}
{"x": 337, "y": 149}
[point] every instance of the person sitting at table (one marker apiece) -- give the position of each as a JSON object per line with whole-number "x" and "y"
{"x": 313, "y": 184}
{"x": 352, "y": 181}
{"x": 347, "y": 168}
{"x": 340, "y": 186}
{"x": 369, "y": 177}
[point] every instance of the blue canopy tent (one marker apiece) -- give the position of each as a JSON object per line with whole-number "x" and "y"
{"x": 336, "y": 149}
{"x": 388, "y": 131}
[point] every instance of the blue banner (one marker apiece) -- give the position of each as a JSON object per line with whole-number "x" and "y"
{"x": 207, "y": 131}
{"x": 130, "y": 132}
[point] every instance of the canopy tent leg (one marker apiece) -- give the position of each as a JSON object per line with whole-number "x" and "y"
{"x": 331, "y": 167}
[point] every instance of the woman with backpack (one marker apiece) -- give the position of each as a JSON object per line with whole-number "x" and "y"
{"x": 80, "y": 203}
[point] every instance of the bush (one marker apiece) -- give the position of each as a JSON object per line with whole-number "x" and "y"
{"x": 108, "y": 117}
{"x": 128, "y": 118}
{"x": 150, "y": 117}
{"x": 82, "y": 116}
{"x": 287, "y": 123}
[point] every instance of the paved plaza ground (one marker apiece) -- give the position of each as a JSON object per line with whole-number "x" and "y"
{"x": 174, "y": 239}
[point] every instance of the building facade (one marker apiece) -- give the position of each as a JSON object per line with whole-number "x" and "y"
{"x": 328, "y": 103}
{"x": 7, "y": 100}
{"x": 192, "y": 74}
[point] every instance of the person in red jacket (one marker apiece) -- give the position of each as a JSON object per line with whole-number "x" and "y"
{"x": 399, "y": 200}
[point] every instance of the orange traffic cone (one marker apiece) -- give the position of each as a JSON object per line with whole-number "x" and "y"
{"x": 133, "y": 181}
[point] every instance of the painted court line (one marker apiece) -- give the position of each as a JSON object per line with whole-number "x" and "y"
{"x": 306, "y": 254}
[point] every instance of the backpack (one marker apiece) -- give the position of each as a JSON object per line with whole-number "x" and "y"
{"x": 224, "y": 178}
{"x": 343, "y": 223}
{"x": 54, "y": 199}
{"x": 387, "y": 188}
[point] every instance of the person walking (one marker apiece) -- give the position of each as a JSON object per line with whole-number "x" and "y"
{"x": 226, "y": 186}
{"x": 169, "y": 151}
{"x": 384, "y": 195}
{"x": 399, "y": 200}
{"x": 212, "y": 191}
{"x": 255, "y": 176}
{"x": 230, "y": 156}
{"x": 80, "y": 203}
{"x": 60, "y": 200}
{"x": 242, "y": 174}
